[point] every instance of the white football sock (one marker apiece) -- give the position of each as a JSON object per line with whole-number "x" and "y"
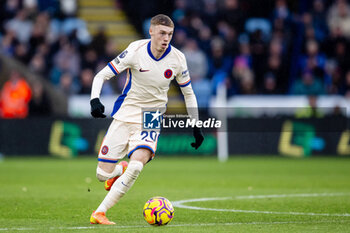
{"x": 121, "y": 186}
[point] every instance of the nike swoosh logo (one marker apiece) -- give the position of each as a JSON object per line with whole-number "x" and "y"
{"x": 124, "y": 184}
{"x": 141, "y": 70}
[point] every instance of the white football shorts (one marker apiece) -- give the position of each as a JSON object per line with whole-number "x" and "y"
{"x": 123, "y": 138}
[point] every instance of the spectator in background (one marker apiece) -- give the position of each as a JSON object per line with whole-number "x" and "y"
{"x": 276, "y": 64}
{"x": 319, "y": 20}
{"x": 282, "y": 24}
{"x": 269, "y": 85}
{"x": 247, "y": 83}
{"x": 99, "y": 42}
{"x": 307, "y": 85}
{"x": 8, "y": 11}
{"x": 340, "y": 54}
{"x": 338, "y": 17}
{"x": 8, "y": 43}
{"x": 195, "y": 6}
{"x": 14, "y": 97}
{"x": 39, "y": 105}
{"x": 220, "y": 66}
{"x": 281, "y": 11}
{"x": 21, "y": 26}
{"x": 110, "y": 52}
{"x": 86, "y": 77}
{"x": 31, "y": 7}
{"x": 219, "y": 61}
{"x": 39, "y": 32}
{"x": 346, "y": 87}
{"x": 197, "y": 67}
{"x": 196, "y": 60}
{"x": 89, "y": 59}
{"x": 66, "y": 84}
{"x": 68, "y": 8}
{"x": 334, "y": 80}
{"x": 314, "y": 61}
{"x": 195, "y": 25}
{"x": 242, "y": 74}
{"x": 231, "y": 41}
{"x": 275, "y": 39}
{"x": 38, "y": 65}
{"x": 180, "y": 11}
{"x": 204, "y": 38}
{"x": 67, "y": 59}
{"x": 312, "y": 58}
{"x": 76, "y": 27}
{"x": 258, "y": 48}
{"x": 210, "y": 13}
{"x": 180, "y": 38}
{"x": 232, "y": 14}
{"x": 21, "y": 53}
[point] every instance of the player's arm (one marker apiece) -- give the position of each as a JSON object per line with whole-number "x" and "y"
{"x": 116, "y": 66}
{"x": 192, "y": 110}
{"x": 184, "y": 82}
{"x": 97, "y": 108}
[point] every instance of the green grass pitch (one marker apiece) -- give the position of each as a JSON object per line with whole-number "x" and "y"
{"x": 249, "y": 194}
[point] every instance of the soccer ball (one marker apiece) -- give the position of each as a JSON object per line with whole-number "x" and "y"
{"x": 158, "y": 211}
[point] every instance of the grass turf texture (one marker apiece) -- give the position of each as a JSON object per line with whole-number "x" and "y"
{"x": 52, "y": 195}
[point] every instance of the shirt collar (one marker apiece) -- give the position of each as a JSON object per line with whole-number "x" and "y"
{"x": 151, "y": 55}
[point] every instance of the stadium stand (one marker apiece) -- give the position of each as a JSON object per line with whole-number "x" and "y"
{"x": 276, "y": 47}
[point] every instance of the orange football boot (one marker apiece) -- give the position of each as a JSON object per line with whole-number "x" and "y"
{"x": 110, "y": 182}
{"x": 100, "y": 218}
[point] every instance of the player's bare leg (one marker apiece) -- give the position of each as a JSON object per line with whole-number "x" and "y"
{"x": 137, "y": 161}
{"x": 107, "y": 170}
{"x": 110, "y": 182}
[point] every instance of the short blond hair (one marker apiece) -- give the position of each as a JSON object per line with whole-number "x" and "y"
{"x": 162, "y": 20}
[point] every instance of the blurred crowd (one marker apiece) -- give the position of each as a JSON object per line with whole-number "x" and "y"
{"x": 253, "y": 46}
{"x": 47, "y": 37}
{"x": 293, "y": 47}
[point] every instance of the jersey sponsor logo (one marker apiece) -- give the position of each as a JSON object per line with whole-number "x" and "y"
{"x": 123, "y": 54}
{"x": 168, "y": 73}
{"x": 104, "y": 150}
{"x": 116, "y": 60}
{"x": 142, "y": 70}
{"x": 185, "y": 73}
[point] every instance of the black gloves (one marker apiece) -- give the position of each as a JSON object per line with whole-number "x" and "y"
{"x": 97, "y": 109}
{"x": 199, "y": 138}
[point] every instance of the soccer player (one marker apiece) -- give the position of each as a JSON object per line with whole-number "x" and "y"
{"x": 151, "y": 64}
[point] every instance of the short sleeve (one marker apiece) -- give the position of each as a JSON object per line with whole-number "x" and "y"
{"x": 123, "y": 61}
{"x": 183, "y": 76}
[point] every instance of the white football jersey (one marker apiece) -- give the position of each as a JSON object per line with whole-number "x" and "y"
{"x": 148, "y": 79}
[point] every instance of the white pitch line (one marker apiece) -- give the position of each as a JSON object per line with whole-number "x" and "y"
{"x": 171, "y": 225}
{"x": 180, "y": 204}
{"x": 292, "y": 195}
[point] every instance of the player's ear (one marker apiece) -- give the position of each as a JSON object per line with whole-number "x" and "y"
{"x": 150, "y": 30}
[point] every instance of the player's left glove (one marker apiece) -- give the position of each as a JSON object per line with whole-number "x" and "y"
{"x": 97, "y": 109}
{"x": 199, "y": 138}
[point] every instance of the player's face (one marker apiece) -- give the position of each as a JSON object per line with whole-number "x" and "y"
{"x": 161, "y": 36}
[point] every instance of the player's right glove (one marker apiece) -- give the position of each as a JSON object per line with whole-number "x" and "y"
{"x": 198, "y": 136}
{"x": 97, "y": 109}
